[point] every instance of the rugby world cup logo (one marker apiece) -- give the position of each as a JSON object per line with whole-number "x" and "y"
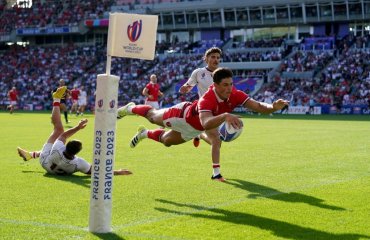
{"x": 100, "y": 103}
{"x": 134, "y": 30}
{"x": 112, "y": 103}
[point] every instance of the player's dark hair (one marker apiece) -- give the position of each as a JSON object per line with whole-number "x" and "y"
{"x": 221, "y": 73}
{"x": 73, "y": 147}
{"x": 213, "y": 50}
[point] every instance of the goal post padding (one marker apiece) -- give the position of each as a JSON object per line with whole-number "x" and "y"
{"x": 104, "y": 153}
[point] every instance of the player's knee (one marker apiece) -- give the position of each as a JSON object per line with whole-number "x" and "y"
{"x": 166, "y": 141}
{"x": 58, "y": 131}
{"x": 155, "y": 119}
{"x": 151, "y": 120}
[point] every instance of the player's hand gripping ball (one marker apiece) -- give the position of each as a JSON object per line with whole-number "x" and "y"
{"x": 228, "y": 133}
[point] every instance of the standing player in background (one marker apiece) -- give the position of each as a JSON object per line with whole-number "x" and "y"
{"x": 269, "y": 98}
{"x": 202, "y": 78}
{"x": 57, "y": 157}
{"x": 82, "y": 101}
{"x": 63, "y": 100}
{"x": 75, "y": 93}
{"x": 152, "y": 92}
{"x": 187, "y": 120}
{"x": 13, "y": 98}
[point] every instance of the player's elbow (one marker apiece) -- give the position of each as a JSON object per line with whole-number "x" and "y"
{"x": 207, "y": 125}
{"x": 62, "y": 137}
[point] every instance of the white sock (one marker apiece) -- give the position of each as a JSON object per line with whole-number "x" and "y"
{"x": 129, "y": 108}
{"x": 143, "y": 134}
{"x": 216, "y": 169}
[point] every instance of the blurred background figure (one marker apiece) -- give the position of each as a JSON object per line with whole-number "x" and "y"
{"x": 63, "y": 100}
{"x": 82, "y": 101}
{"x": 13, "y": 98}
{"x": 152, "y": 92}
{"x": 75, "y": 93}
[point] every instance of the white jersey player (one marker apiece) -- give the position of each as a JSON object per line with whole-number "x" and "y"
{"x": 59, "y": 158}
{"x": 82, "y": 101}
{"x": 54, "y": 161}
{"x": 203, "y": 79}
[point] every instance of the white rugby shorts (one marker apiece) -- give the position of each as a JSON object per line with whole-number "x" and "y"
{"x": 45, "y": 153}
{"x": 154, "y": 104}
{"x": 174, "y": 118}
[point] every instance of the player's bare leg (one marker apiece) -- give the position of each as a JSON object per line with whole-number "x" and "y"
{"x": 55, "y": 115}
{"x": 27, "y": 155}
{"x": 56, "y": 121}
{"x": 168, "y": 138}
{"x": 11, "y": 108}
{"x": 205, "y": 137}
{"x": 153, "y": 115}
{"x": 215, "y": 141}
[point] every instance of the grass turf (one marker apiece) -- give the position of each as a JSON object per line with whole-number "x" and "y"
{"x": 289, "y": 177}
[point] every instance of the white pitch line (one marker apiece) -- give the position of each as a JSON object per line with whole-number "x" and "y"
{"x": 41, "y": 224}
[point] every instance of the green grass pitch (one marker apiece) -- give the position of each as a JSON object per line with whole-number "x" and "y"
{"x": 289, "y": 177}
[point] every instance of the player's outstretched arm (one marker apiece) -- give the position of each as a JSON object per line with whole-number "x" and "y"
{"x": 209, "y": 121}
{"x": 185, "y": 88}
{"x": 122, "y": 172}
{"x": 265, "y": 108}
{"x": 116, "y": 172}
{"x": 64, "y": 136}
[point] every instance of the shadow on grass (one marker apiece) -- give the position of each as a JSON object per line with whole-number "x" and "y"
{"x": 108, "y": 236}
{"x": 278, "y": 228}
{"x": 257, "y": 190}
{"x": 76, "y": 179}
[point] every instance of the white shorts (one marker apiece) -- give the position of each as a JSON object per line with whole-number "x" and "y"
{"x": 45, "y": 153}
{"x": 13, "y": 103}
{"x": 82, "y": 102}
{"x": 174, "y": 118}
{"x": 154, "y": 104}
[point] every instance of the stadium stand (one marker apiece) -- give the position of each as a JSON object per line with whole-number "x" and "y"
{"x": 66, "y": 39}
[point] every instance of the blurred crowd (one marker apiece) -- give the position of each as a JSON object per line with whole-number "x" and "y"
{"x": 339, "y": 80}
{"x": 339, "y": 68}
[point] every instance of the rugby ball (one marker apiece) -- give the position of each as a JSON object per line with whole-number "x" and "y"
{"x": 228, "y": 133}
